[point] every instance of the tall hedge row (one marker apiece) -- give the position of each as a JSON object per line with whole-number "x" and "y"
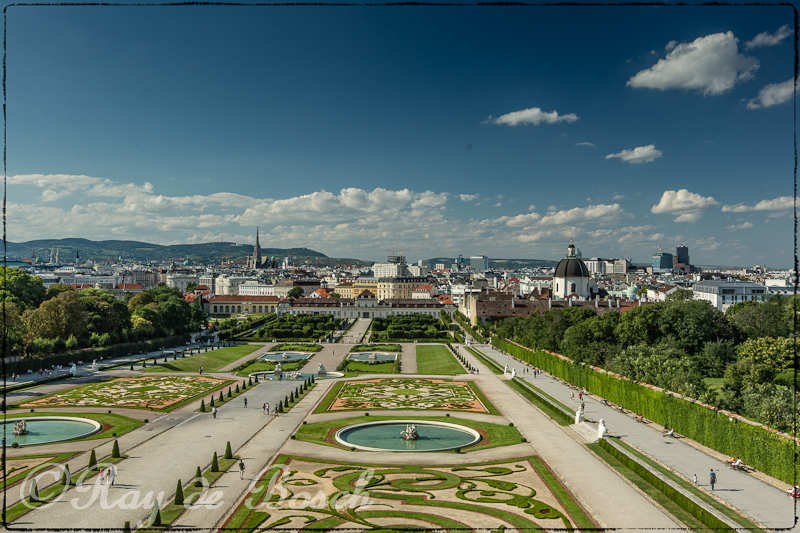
{"x": 758, "y": 447}
{"x": 106, "y": 352}
{"x": 461, "y": 319}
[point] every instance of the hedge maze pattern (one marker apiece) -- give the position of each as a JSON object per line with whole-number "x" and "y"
{"x": 305, "y": 493}
{"x": 399, "y": 393}
{"x": 144, "y": 392}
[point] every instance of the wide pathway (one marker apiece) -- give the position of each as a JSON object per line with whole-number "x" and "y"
{"x": 764, "y": 502}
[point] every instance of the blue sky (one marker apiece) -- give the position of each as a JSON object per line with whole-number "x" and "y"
{"x": 439, "y": 131}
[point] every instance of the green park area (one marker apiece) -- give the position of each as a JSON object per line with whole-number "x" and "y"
{"x": 484, "y": 496}
{"x": 377, "y": 348}
{"x": 437, "y": 360}
{"x": 210, "y": 361}
{"x": 160, "y": 393}
{"x": 409, "y": 327}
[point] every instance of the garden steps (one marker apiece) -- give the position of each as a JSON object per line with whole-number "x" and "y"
{"x": 586, "y": 430}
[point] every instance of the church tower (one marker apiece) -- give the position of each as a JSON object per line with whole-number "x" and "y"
{"x": 256, "y": 253}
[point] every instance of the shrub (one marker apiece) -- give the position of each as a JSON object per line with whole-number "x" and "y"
{"x": 34, "y": 492}
{"x": 66, "y": 478}
{"x": 202, "y": 406}
{"x": 92, "y": 461}
{"x": 71, "y": 343}
{"x": 229, "y": 393}
{"x": 126, "y": 528}
{"x": 228, "y": 453}
{"x": 211, "y": 403}
{"x": 115, "y": 450}
{"x": 237, "y": 388}
{"x": 131, "y": 366}
{"x": 198, "y": 478}
{"x": 155, "y": 516}
{"x": 221, "y": 398}
{"x": 214, "y": 463}
{"x": 15, "y": 445}
{"x": 178, "y": 494}
{"x": 250, "y": 382}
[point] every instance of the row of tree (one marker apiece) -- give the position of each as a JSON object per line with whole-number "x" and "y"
{"x": 679, "y": 344}
{"x": 38, "y": 320}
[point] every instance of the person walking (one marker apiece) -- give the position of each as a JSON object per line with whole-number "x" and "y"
{"x": 241, "y": 469}
{"x": 214, "y": 412}
{"x": 264, "y": 408}
{"x": 201, "y": 370}
{"x": 113, "y": 474}
{"x": 712, "y": 477}
{"x": 245, "y": 403}
{"x": 572, "y": 396}
{"x": 695, "y": 479}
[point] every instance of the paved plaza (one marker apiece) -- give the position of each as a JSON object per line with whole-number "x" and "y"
{"x": 547, "y": 479}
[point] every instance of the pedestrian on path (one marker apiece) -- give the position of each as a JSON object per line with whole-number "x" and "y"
{"x": 276, "y": 409}
{"x": 245, "y": 403}
{"x": 201, "y": 370}
{"x": 712, "y": 477}
{"x": 113, "y": 474}
{"x": 102, "y": 477}
{"x": 695, "y": 479}
{"x": 580, "y": 396}
{"x": 241, "y": 469}
{"x": 214, "y": 412}
{"x": 264, "y": 408}
{"x": 572, "y": 396}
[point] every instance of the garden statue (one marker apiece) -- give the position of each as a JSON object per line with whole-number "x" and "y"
{"x": 74, "y": 370}
{"x": 321, "y": 369}
{"x": 579, "y": 416}
{"x": 410, "y": 433}
{"x": 505, "y": 369}
{"x": 373, "y": 357}
{"x": 94, "y": 365}
{"x": 20, "y": 428}
{"x": 278, "y": 369}
{"x": 513, "y": 373}
{"x": 285, "y": 357}
{"x": 602, "y": 429}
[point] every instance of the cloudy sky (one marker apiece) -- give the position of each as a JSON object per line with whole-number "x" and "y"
{"x": 438, "y": 131}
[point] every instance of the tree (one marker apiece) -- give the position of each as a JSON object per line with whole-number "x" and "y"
{"x": 141, "y": 299}
{"x": 295, "y": 292}
{"x": 21, "y": 288}
{"x": 335, "y": 295}
{"x": 57, "y": 288}
{"x": 61, "y": 317}
{"x": 191, "y": 286}
{"x": 756, "y": 319}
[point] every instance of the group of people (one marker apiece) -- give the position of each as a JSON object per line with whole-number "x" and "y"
{"x": 108, "y": 475}
{"x": 735, "y": 464}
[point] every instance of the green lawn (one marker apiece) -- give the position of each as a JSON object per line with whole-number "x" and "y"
{"x": 264, "y": 366}
{"x": 715, "y": 384}
{"x": 210, "y": 361}
{"x": 365, "y": 367}
{"x": 496, "y": 434}
{"x": 437, "y": 360}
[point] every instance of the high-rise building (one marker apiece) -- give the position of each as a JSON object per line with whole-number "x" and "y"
{"x": 662, "y": 260}
{"x": 683, "y": 255}
{"x": 479, "y": 263}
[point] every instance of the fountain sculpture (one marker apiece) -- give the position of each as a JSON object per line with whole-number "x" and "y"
{"x": 410, "y": 433}
{"x": 321, "y": 369}
{"x": 20, "y": 428}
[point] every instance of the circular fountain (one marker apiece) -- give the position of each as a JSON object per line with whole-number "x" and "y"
{"x": 47, "y": 429}
{"x": 396, "y": 436}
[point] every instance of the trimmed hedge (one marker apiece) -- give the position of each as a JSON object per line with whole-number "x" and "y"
{"x": 758, "y": 447}
{"x": 461, "y": 319}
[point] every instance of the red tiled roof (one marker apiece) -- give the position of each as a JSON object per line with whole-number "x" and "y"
{"x": 242, "y": 298}
{"x": 130, "y": 286}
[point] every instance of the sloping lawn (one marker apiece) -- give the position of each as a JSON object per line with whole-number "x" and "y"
{"x": 210, "y": 361}
{"x": 437, "y": 360}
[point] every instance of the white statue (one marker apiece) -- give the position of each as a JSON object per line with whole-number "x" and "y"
{"x": 505, "y": 369}
{"x": 278, "y": 368}
{"x": 410, "y": 433}
{"x": 94, "y": 365}
{"x": 20, "y": 428}
{"x": 285, "y": 357}
{"x": 321, "y": 369}
{"x": 578, "y": 416}
{"x": 513, "y": 373}
{"x": 602, "y": 429}
{"x": 74, "y": 369}
{"x": 373, "y": 357}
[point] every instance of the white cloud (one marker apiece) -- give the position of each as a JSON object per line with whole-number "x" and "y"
{"x": 619, "y": 197}
{"x": 773, "y": 94}
{"x": 586, "y": 144}
{"x": 49, "y": 195}
{"x": 780, "y": 203}
{"x": 469, "y": 197}
{"x": 498, "y": 204}
{"x": 594, "y": 213}
{"x": 688, "y": 206}
{"x": 532, "y": 115}
{"x": 531, "y": 207}
{"x": 640, "y": 154}
{"x": 670, "y": 45}
{"x": 769, "y": 39}
{"x": 743, "y": 225}
{"x": 522, "y": 220}
{"x": 710, "y": 64}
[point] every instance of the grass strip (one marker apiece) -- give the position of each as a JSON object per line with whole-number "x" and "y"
{"x": 57, "y": 489}
{"x": 20, "y": 473}
{"x": 210, "y": 361}
{"x": 377, "y": 348}
{"x": 437, "y": 360}
{"x": 329, "y": 398}
{"x": 492, "y": 365}
{"x": 565, "y": 498}
{"x": 556, "y": 414}
{"x": 659, "y": 497}
{"x": 363, "y": 367}
{"x": 690, "y": 487}
{"x": 482, "y": 397}
{"x": 496, "y": 434}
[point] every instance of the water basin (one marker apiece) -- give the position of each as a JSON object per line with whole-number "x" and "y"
{"x": 294, "y": 376}
{"x": 385, "y": 436}
{"x": 277, "y": 357}
{"x": 379, "y": 357}
{"x": 45, "y": 429}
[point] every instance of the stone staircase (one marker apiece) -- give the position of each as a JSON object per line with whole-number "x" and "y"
{"x": 586, "y": 430}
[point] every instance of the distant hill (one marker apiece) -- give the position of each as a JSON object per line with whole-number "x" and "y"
{"x": 511, "y": 264}
{"x": 211, "y": 252}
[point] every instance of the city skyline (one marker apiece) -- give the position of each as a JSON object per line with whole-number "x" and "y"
{"x": 468, "y": 130}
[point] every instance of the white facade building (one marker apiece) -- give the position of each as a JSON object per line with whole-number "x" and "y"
{"x": 723, "y": 294}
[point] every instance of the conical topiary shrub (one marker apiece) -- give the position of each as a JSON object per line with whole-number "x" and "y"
{"x": 179, "y": 494}
{"x": 211, "y": 403}
{"x": 228, "y": 453}
{"x": 256, "y": 378}
{"x": 202, "y": 406}
{"x": 92, "y": 461}
{"x": 126, "y": 528}
{"x": 280, "y": 407}
{"x": 66, "y": 478}
{"x": 250, "y": 382}
{"x": 237, "y": 388}
{"x": 131, "y": 366}
{"x": 198, "y": 478}
{"x": 221, "y": 398}
{"x": 155, "y": 515}
{"x": 144, "y": 364}
{"x": 115, "y": 450}
{"x": 244, "y": 385}
{"x": 214, "y": 463}
{"x": 229, "y": 393}
{"x": 34, "y": 492}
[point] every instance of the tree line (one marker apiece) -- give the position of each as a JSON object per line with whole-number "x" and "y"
{"x": 679, "y": 344}
{"x": 41, "y": 321}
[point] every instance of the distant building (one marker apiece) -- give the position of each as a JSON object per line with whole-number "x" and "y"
{"x": 724, "y": 293}
{"x": 479, "y": 263}
{"x": 394, "y": 267}
{"x": 571, "y": 276}
{"x": 662, "y": 260}
{"x": 255, "y": 261}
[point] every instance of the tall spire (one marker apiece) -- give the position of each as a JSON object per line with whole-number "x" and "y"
{"x": 257, "y": 252}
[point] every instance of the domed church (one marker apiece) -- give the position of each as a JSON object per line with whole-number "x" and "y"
{"x": 571, "y": 276}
